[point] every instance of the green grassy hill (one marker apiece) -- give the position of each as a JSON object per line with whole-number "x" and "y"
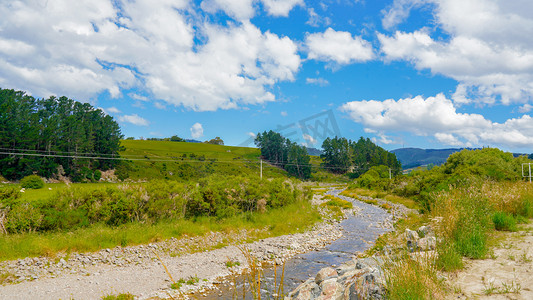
{"x": 186, "y": 161}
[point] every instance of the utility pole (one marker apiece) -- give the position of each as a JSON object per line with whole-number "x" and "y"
{"x": 261, "y": 170}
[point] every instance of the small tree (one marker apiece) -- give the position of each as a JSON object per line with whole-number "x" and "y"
{"x": 216, "y": 141}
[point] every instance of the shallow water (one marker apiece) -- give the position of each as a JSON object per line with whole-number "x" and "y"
{"x": 359, "y": 232}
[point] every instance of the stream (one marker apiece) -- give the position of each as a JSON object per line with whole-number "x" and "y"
{"x": 359, "y": 233}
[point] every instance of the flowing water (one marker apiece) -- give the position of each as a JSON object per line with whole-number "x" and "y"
{"x": 359, "y": 231}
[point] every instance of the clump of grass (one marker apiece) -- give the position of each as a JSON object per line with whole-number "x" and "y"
{"x": 338, "y": 202}
{"x": 448, "y": 258}
{"x": 178, "y": 284}
{"x": 506, "y": 288}
{"x": 6, "y": 277}
{"x": 408, "y": 278}
{"x": 504, "y": 221}
{"x": 255, "y": 275}
{"x": 123, "y": 296}
{"x": 230, "y": 263}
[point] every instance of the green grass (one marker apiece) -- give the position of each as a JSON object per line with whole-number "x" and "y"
{"x": 183, "y": 161}
{"x": 50, "y": 189}
{"x": 293, "y": 218}
{"x": 504, "y": 221}
{"x": 337, "y": 202}
{"x": 126, "y": 296}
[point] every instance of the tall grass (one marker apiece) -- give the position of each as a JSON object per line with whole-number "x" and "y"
{"x": 412, "y": 279}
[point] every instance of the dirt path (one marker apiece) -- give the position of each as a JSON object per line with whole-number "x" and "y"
{"x": 507, "y": 274}
{"x": 139, "y": 271}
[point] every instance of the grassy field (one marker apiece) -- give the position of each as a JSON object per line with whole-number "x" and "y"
{"x": 185, "y": 161}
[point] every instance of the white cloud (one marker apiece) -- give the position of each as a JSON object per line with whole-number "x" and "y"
{"x": 448, "y": 139}
{"x": 284, "y": 114}
{"x": 238, "y": 9}
{"x": 197, "y": 131}
{"x": 489, "y": 49}
{"x": 133, "y": 119}
{"x": 310, "y": 140}
{"x": 251, "y": 134}
{"x": 281, "y": 7}
{"x": 160, "y": 105}
{"x": 525, "y": 108}
{"x": 51, "y": 47}
{"x": 316, "y": 20}
{"x": 398, "y": 12}
{"x": 112, "y": 110}
{"x": 437, "y": 116}
{"x": 318, "y": 81}
{"x": 338, "y": 46}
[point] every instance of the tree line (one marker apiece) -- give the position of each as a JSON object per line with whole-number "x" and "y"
{"x": 284, "y": 153}
{"x": 58, "y": 133}
{"x": 341, "y": 155}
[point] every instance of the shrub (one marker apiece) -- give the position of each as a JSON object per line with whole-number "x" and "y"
{"x": 97, "y": 175}
{"x": 504, "y": 221}
{"x": 32, "y": 182}
{"x": 23, "y": 218}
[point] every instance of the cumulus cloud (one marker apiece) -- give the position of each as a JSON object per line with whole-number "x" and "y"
{"x": 489, "y": 50}
{"x": 310, "y": 140}
{"x": 281, "y": 7}
{"x": 251, "y": 134}
{"x": 197, "y": 131}
{"x": 338, "y": 46}
{"x": 438, "y": 117}
{"x": 133, "y": 119}
{"x": 111, "y": 46}
{"x": 238, "y": 9}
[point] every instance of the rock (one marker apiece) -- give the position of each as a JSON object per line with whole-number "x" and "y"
{"x": 324, "y": 274}
{"x": 427, "y": 243}
{"x": 424, "y": 231}
{"x": 330, "y": 288}
{"x": 360, "y": 264}
{"x": 411, "y": 235}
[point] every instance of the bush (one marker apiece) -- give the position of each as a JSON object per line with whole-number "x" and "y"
{"x": 32, "y": 182}
{"x": 97, "y": 175}
{"x": 504, "y": 221}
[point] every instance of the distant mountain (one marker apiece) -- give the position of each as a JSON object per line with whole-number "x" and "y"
{"x": 415, "y": 157}
{"x": 314, "y": 151}
{"x": 192, "y": 141}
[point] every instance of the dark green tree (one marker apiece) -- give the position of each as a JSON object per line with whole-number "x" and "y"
{"x": 53, "y": 132}
{"x": 282, "y": 152}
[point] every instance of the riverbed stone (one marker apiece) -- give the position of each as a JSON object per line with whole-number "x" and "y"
{"x": 324, "y": 274}
{"x": 427, "y": 243}
{"x": 330, "y": 289}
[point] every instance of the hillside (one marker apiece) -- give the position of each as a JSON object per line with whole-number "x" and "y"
{"x": 414, "y": 157}
{"x": 185, "y": 161}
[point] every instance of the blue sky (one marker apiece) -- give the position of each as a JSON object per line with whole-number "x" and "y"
{"x": 405, "y": 73}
